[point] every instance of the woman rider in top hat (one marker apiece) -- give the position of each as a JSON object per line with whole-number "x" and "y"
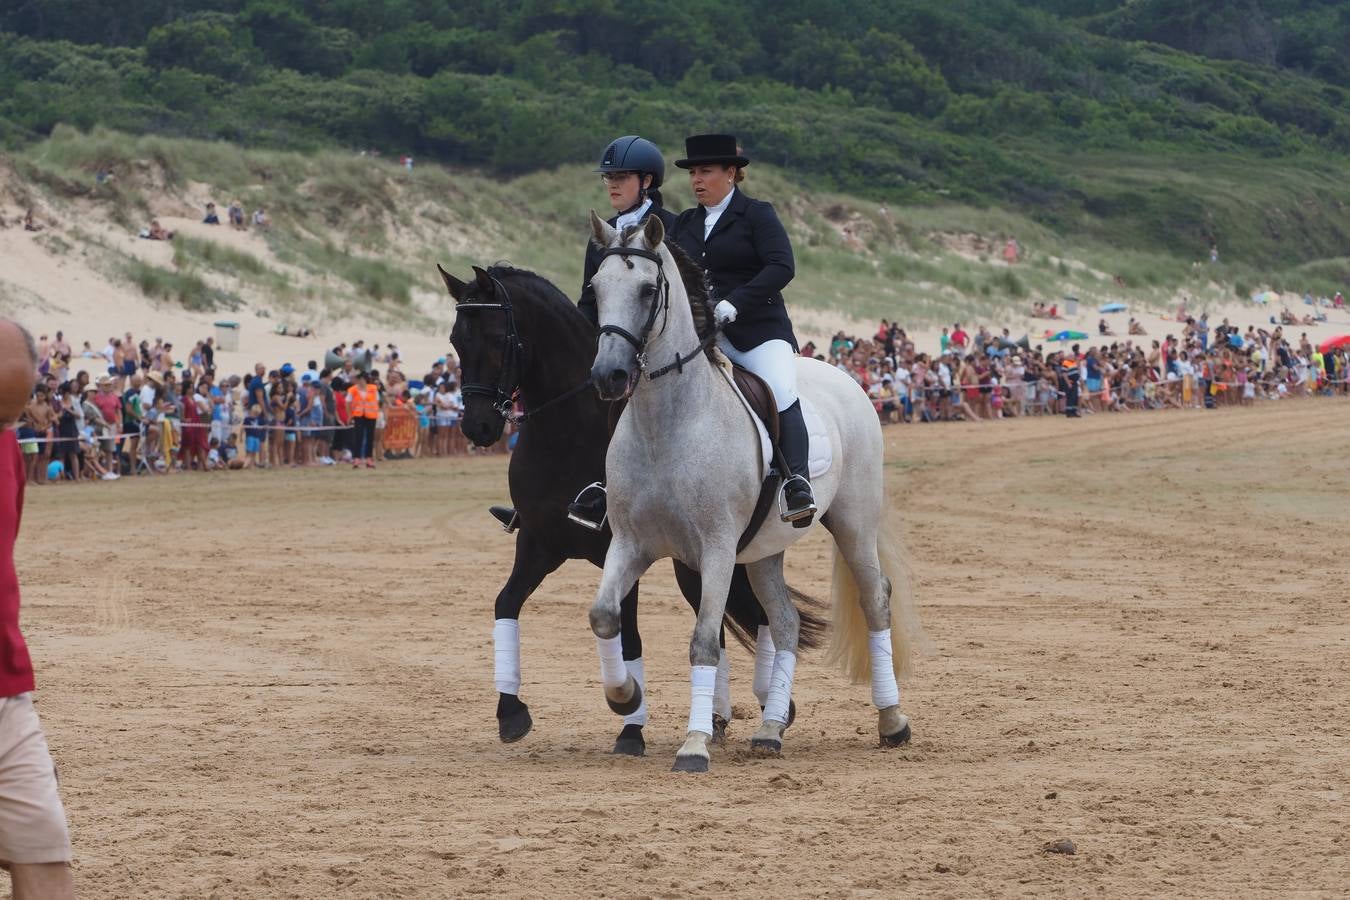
{"x": 745, "y": 250}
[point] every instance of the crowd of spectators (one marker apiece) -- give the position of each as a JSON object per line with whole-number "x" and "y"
{"x": 982, "y": 375}
{"x": 148, "y": 412}
{"x": 145, "y": 412}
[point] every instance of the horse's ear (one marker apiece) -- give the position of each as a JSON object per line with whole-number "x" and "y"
{"x": 654, "y": 232}
{"x": 484, "y": 279}
{"x": 453, "y": 284}
{"x": 601, "y": 232}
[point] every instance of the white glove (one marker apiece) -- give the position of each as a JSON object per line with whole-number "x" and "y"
{"x": 724, "y": 312}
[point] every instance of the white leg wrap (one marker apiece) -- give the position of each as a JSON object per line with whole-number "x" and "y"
{"x": 702, "y": 682}
{"x": 722, "y": 695}
{"x": 639, "y": 673}
{"x": 885, "y": 692}
{"x": 613, "y": 672}
{"x": 763, "y": 664}
{"x": 780, "y": 691}
{"x": 506, "y": 656}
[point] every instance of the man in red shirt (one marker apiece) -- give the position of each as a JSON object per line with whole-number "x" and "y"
{"x": 959, "y": 337}
{"x": 109, "y": 403}
{"x": 34, "y": 841}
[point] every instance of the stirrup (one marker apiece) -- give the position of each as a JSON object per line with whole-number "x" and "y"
{"x": 798, "y": 515}
{"x": 576, "y": 512}
{"x": 509, "y": 516}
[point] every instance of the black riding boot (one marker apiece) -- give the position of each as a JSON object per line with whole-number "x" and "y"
{"x": 799, "y": 506}
{"x": 589, "y": 509}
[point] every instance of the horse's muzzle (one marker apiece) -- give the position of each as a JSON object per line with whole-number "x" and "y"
{"x": 613, "y": 383}
{"x": 483, "y": 431}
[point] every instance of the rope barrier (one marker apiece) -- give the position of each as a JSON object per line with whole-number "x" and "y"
{"x": 135, "y": 434}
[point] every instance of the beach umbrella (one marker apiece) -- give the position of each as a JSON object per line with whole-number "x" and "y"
{"x": 1069, "y": 336}
{"x": 1265, "y": 297}
{"x": 1113, "y": 308}
{"x": 1334, "y": 343}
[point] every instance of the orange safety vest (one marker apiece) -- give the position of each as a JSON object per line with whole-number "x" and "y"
{"x": 367, "y": 406}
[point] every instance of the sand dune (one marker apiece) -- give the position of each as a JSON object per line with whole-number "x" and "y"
{"x": 66, "y": 278}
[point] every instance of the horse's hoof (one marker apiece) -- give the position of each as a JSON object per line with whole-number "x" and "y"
{"x": 514, "y": 725}
{"x": 629, "y": 706}
{"x": 792, "y": 713}
{"x": 899, "y": 739}
{"x": 719, "y": 735}
{"x": 630, "y": 742}
{"x": 690, "y": 764}
{"x": 766, "y": 747}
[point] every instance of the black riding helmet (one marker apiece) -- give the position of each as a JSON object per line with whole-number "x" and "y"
{"x": 631, "y": 153}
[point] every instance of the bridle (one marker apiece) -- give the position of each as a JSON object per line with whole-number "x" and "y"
{"x": 502, "y": 395}
{"x": 660, "y": 307}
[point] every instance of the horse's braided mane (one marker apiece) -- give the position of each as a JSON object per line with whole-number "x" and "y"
{"x": 697, "y": 287}
{"x": 695, "y": 282}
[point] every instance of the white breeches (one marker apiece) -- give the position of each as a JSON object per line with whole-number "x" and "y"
{"x": 774, "y": 361}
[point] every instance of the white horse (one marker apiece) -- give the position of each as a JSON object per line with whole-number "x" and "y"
{"x": 684, "y": 472}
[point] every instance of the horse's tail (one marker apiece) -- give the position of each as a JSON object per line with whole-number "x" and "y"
{"x": 744, "y": 615}
{"x": 849, "y": 640}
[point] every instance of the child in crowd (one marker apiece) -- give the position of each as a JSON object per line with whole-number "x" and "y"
{"x": 276, "y": 418}
{"x": 422, "y": 407}
{"x": 291, "y": 437}
{"x": 255, "y": 431}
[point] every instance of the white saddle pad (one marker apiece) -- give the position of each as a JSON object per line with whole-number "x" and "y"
{"x": 822, "y": 452}
{"x": 821, "y": 455}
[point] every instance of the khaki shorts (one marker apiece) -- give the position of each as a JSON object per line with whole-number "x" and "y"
{"x": 32, "y": 820}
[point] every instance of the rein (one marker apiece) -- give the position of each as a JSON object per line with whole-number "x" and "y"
{"x": 503, "y": 394}
{"x": 661, "y": 307}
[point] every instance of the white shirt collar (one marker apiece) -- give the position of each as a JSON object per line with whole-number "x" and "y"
{"x": 712, "y": 213}
{"x": 633, "y": 217}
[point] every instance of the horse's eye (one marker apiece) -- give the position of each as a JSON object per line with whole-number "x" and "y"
{"x": 648, "y": 290}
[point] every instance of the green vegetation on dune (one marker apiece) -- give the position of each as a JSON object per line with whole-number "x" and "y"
{"x": 1163, "y": 125}
{"x": 357, "y": 230}
{"x": 183, "y": 287}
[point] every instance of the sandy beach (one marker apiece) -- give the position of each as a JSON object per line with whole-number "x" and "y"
{"x": 262, "y": 685}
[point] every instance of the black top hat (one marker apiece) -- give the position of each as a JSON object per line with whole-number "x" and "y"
{"x": 711, "y": 149}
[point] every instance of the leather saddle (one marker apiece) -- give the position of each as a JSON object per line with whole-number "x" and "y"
{"x": 756, "y": 392}
{"x": 760, "y": 397}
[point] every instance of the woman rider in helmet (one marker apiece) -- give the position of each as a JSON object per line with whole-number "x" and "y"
{"x": 745, "y": 250}
{"x": 632, "y": 170}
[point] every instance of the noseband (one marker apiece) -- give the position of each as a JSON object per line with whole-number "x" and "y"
{"x": 503, "y": 394}
{"x": 661, "y": 304}
{"x": 660, "y": 307}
